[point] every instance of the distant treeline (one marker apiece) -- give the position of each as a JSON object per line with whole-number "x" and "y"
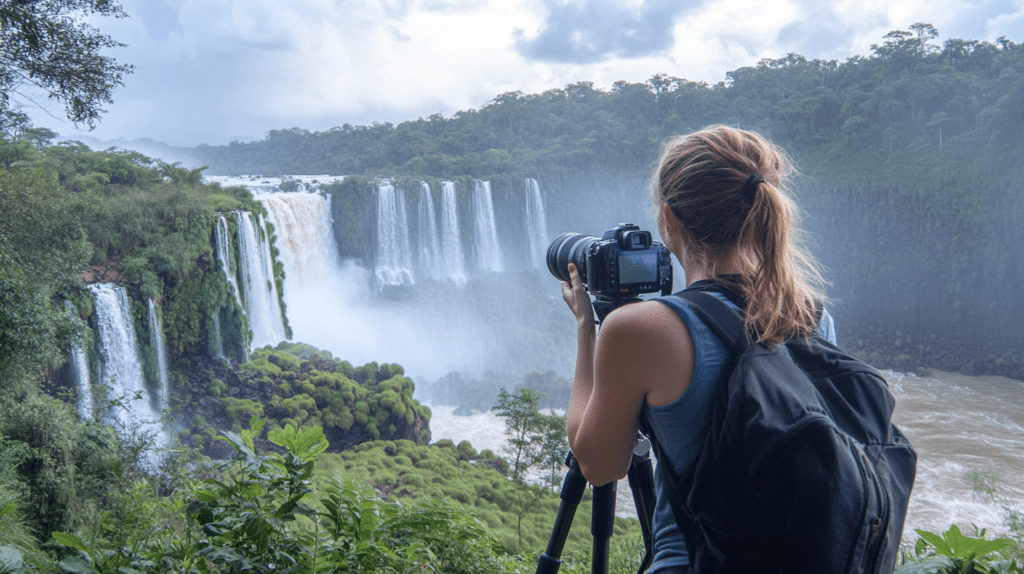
{"x": 844, "y": 120}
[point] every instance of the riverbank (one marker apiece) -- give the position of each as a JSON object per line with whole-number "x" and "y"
{"x": 920, "y": 355}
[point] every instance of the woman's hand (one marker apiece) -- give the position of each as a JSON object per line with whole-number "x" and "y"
{"x": 577, "y": 298}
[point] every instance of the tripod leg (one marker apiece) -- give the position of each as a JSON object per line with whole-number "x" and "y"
{"x": 641, "y": 483}
{"x": 572, "y": 493}
{"x": 602, "y": 523}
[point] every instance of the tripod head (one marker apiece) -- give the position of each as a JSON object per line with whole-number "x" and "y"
{"x": 604, "y": 305}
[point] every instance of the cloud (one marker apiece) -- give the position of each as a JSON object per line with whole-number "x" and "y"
{"x": 212, "y": 71}
{"x": 158, "y": 17}
{"x": 587, "y": 31}
{"x": 1008, "y": 24}
{"x": 819, "y": 33}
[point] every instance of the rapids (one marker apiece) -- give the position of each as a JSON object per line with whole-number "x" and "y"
{"x": 957, "y": 424}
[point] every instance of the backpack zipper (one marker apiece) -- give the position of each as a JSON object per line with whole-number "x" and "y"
{"x": 873, "y": 548}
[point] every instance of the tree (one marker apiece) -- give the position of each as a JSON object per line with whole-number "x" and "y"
{"x": 554, "y": 447}
{"x": 524, "y": 427}
{"x": 48, "y": 45}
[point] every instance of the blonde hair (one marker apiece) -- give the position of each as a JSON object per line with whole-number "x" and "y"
{"x": 729, "y": 216}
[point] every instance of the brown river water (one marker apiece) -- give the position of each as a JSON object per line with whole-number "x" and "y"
{"x": 957, "y": 424}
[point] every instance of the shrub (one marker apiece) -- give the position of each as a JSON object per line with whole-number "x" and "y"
{"x": 241, "y": 409}
{"x": 216, "y": 387}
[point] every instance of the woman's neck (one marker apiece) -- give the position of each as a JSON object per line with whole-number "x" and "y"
{"x": 697, "y": 272}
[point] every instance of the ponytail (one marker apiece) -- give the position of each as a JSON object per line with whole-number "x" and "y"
{"x": 727, "y": 189}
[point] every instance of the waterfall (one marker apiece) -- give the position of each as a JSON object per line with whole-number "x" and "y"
{"x": 80, "y": 371}
{"x": 331, "y": 301}
{"x": 258, "y": 286}
{"x": 216, "y": 333}
{"x": 394, "y": 263}
{"x": 430, "y": 245}
{"x": 488, "y": 250}
{"x": 80, "y": 365}
{"x": 223, "y": 244}
{"x": 305, "y": 238}
{"x": 536, "y": 224}
{"x": 451, "y": 238}
{"x": 326, "y": 296}
{"x": 157, "y": 340}
{"x": 120, "y": 369}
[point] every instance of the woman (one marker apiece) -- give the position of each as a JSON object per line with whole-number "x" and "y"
{"x": 723, "y": 211}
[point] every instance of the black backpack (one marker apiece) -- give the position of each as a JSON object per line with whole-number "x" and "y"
{"x": 802, "y": 470}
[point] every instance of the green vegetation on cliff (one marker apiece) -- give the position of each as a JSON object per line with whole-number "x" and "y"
{"x": 299, "y": 385}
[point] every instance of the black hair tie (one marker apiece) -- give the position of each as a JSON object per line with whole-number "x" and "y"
{"x": 750, "y": 189}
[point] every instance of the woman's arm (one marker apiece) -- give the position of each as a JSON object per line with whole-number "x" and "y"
{"x": 644, "y": 351}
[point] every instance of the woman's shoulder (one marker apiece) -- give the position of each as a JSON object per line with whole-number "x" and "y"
{"x": 648, "y": 327}
{"x": 644, "y": 315}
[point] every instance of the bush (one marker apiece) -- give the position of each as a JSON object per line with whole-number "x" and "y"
{"x": 216, "y": 388}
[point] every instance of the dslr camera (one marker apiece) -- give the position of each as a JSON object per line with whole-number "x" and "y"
{"x": 622, "y": 264}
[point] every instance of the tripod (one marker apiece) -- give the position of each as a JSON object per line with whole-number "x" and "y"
{"x": 602, "y": 519}
{"x": 641, "y": 484}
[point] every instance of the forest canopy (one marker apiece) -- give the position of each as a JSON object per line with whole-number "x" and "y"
{"x": 845, "y": 119}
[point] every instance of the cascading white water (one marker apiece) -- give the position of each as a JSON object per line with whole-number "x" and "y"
{"x": 157, "y": 338}
{"x": 80, "y": 371}
{"x": 451, "y": 239}
{"x": 80, "y": 365}
{"x": 536, "y": 224}
{"x": 430, "y": 244}
{"x": 258, "y": 286}
{"x": 394, "y": 261}
{"x": 488, "y": 250}
{"x": 218, "y": 341}
{"x": 223, "y": 244}
{"x": 305, "y": 238}
{"x": 331, "y": 304}
{"x": 120, "y": 369}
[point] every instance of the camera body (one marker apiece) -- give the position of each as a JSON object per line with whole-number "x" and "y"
{"x": 624, "y": 263}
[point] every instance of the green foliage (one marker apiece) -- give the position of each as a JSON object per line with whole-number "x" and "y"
{"x": 983, "y": 483}
{"x": 405, "y": 470}
{"x": 260, "y": 513}
{"x": 216, "y": 387}
{"x": 307, "y": 444}
{"x": 41, "y": 251}
{"x": 241, "y": 409}
{"x": 966, "y": 554}
{"x": 19, "y": 546}
{"x": 149, "y": 225}
{"x": 49, "y": 50}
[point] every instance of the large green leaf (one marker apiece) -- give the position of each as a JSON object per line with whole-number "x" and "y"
{"x": 69, "y": 540}
{"x": 77, "y": 565}
{"x": 306, "y": 443}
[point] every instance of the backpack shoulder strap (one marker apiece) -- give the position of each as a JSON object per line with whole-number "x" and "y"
{"x": 727, "y": 324}
{"x": 722, "y": 319}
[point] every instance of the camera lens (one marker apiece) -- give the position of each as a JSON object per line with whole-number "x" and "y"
{"x": 569, "y": 248}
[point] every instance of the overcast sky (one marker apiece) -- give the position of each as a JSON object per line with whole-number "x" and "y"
{"x": 213, "y": 71}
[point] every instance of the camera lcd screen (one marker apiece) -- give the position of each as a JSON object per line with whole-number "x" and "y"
{"x": 638, "y": 267}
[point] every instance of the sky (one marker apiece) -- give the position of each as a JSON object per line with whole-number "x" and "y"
{"x": 216, "y": 71}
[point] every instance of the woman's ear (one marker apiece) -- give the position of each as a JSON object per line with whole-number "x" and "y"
{"x": 669, "y": 220}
